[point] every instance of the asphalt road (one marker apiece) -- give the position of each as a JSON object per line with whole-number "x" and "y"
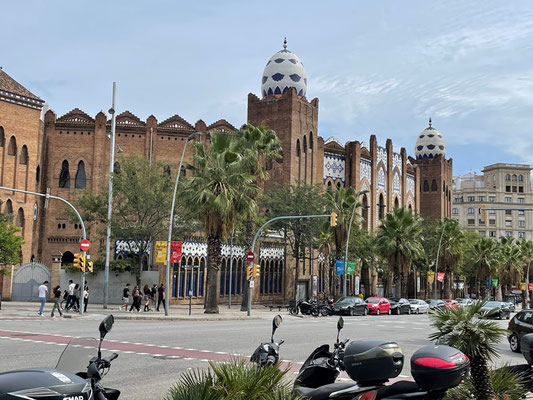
{"x": 154, "y": 353}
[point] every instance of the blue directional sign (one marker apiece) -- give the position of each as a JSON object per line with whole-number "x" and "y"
{"x": 339, "y": 267}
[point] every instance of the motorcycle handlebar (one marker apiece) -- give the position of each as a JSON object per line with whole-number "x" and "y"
{"x": 281, "y": 342}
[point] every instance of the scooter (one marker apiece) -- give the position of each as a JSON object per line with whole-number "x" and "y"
{"x": 268, "y": 353}
{"x": 77, "y": 375}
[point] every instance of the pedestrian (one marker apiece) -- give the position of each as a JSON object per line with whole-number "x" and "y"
{"x": 136, "y": 296}
{"x": 76, "y": 301}
{"x": 70, "y": 298}
{"x": 153, "y": 294}
{"x": 125, "y": 298}
{"x": 85, "y": 298}
{"x": 146, "y": 297}
{"x": 43, "y": 292}
{"x": 161, "y": 297}
{"x": 57, "y": 300}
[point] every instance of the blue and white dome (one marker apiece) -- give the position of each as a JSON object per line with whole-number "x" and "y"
{"x": 283, "y": 71}
{"x": 430, "y": 143}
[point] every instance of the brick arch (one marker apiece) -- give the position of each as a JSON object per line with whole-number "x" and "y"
{"x": 12, "y": 150}
{"x": 362, "y": 184}
{"x": 2, "y": 153}
{"x": 12, "y": 146}
{"x": 396, "y": 201}
{"x": 23, "y": 158}
{"x": 80, "y": 179}
{"x": 381, "y": 204}
{"x": 20, "y": 220}
{"x": 64, "y": 174}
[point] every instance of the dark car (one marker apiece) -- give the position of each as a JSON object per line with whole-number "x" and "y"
{"x": 435, "y": 304}
{"x": 511, "y": 306}
{"x": 350, "y": 305}
{"x": 400, "y": 306}
{"x": 496, "y": 309}
{"x": 521, "y": 324}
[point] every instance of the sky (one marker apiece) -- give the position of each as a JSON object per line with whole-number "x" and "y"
{"x": 377, "y": 67}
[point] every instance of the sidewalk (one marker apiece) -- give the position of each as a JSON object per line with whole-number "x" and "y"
{"x": 176, "y": 313}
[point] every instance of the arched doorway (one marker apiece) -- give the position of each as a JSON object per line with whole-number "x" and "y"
{"x": 68, "y": 258}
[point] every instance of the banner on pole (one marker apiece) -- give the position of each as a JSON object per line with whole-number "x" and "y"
{"x": 431, "y": 276}
{"x": 530, "y": 286}
{"x": 440, "y": 276}
{"x": 350, "y": 268}
{"x": 523, "y": 286}
{"x": 160, "y": 251}
{"x": 339, "y": 264}
{"x": 175, "y": 251}
{"x": 494, "y": 282}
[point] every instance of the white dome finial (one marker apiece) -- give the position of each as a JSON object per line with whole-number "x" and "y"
{"x": 285, "y": 43}
{"x": 430, "y": 122}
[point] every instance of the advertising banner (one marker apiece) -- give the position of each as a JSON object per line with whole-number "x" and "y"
{"x": 530, "y": 287}
{"x": 523, "y": 286}
{"x": 494, "y": 282}
{"x": 315, "y": 285}
{"x": 350, "y": 268}
{"x": 175, "y": 251}
{"x": 160, "y": 251}
{"x": 440, "y": 276}
{"x": 431, "y": 276}
{"x": 339, "y": 264}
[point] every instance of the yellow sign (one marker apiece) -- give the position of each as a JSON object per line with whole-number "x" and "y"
{"x": 161, "y": 251}
{"x": 522, "y": 286}
{"x": 431, "y": 276}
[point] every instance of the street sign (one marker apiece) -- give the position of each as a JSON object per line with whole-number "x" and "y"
{"x": 252, "y": 284}
{"x": 339, "y": 264}
{"x": 250, "y": 256}
{"x": 85, "y": 245}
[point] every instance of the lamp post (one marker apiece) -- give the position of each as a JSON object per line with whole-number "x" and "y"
{"x": 438, "y": 252}
{"x": 110, "y": 196}
{"x": 348, "y": 240}
{"x": 171, "y": 222}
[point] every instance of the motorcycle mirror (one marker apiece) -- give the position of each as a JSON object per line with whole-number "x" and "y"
{"x": 276, "y": 322}
{"x": 106, "y": 325}
{"x": 340, "y": 325}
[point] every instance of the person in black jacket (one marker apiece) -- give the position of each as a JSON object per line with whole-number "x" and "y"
{"x": 57, "y": 299}
{"x": 161, "y": 297}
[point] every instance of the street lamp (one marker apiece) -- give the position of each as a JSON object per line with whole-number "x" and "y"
{"x": 363, "y": 192}
{"x": 171, "y": 222}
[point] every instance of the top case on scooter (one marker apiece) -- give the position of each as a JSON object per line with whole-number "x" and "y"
{"x": 438, "y": 367}
{"x": 373, "y": 361}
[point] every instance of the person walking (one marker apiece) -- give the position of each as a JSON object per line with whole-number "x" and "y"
{"x": 76, "y": 300}
{"x": 125, "y": 298}
{"x": 57, "y": 300}
{"x": 70, "y": 298}
{"x": 161, "y": 297}
{"x": 146, "y": 298}
{"x": 136, "y": 296}
{"x": 153, "y": 294}
{"x": 85, "y": 298}
{"x": 42, "y": 292}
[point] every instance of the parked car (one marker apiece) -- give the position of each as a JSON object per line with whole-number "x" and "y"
{"x": 400, "y": 306}
{"x": 464, "y": 302}
{"x": 496, "y": 309}
{"x": 419, "y": 306}
{"x": 520, "y": 325}
{"x": 435, "y": 304}
{"x": 378, "y": 305}
{"x": 451, "y": 303}
{"x": 350, "y": 305}
{"x": 511, "y": 306}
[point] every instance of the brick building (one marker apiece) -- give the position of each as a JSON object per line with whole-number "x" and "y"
{"x": 74, "y": 150}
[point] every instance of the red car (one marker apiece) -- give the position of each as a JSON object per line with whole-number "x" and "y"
{"x": 378, "y": 305}
{"x": 451, "y": 303}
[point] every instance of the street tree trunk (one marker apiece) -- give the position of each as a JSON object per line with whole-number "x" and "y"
{"x": 337, "y": 290}
{"x": 214, "y": 249}
{"x": 481, "y": 379}
{"x": 248, "y": 243}
{"x": 326, "y": 265}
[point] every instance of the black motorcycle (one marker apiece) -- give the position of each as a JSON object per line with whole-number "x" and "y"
{"x": 268, "y": 353}
{"x": 304, "y": 307}
{"x": 77, "y": 375}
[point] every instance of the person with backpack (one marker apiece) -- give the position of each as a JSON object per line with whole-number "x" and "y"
{"x": 57, "y": 300}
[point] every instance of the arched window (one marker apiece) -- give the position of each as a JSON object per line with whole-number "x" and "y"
{"x": 426, "y": 186}
{"x": 2, "y": 137}
{"x": 507, "y": 177}
{"x": 381, "y": 205}
{"x": 183, "y": 172}
{"x": 24, "y": 155}
{"x": 305, "y": 144}
{"x": 434, "y": 187}
{"x": 410, "y": 209}
{"x": 68, "y": 258}
{"x": 9, "y": 207}
{"x": 365, "y": 212}
{"x": 64, "y": 175}
{"x": 396, "y": 202}
{"x": 81, "y": 180}
{"x": 329, "y": 184}
{"x": 520, "y": 178}
{"x": 339, "y": 185}
{"x": 37, "y": 174}
{"x": 311, "y": 140}
{"x": 514, "y": 177}
{"x": 297, "y": 147}
{"x": 20, "y": 220}
{"x": 12, "y": 149}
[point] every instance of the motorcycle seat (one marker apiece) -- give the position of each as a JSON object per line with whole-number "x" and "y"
{"x": 323, "y": 392}
{"x": 397, "y": 389}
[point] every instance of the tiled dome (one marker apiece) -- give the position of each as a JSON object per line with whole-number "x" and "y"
{"x": 283, "y": 71}
{"x": 430, "y": 143}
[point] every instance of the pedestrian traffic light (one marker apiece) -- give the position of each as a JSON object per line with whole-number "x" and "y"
{"x": 248, "y": 273}
{"x": 333, "y": 218}
{"x": 90, "y": 266}
{"x": 257, "y": 270}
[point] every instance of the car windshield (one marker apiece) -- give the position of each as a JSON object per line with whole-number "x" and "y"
{"x": 372, "y": 300}
{"x": 431, "y": 301}
{"x": 492, "y": 304}
{"x": 345, "y": 300}
{"x": 413, "y": 301}
{"x": 395, "y": 300}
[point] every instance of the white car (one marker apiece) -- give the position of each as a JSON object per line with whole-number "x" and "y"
{"x": 464, "y": 302}
{"x": 418, "y": 306}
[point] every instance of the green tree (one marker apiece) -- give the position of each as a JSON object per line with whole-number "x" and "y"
{"x": 341, "y": 201}
{"x": 142, "y": 195}
{"x": 466, "y": 329}
{"x": 526, "y": 249}
{"x": 511, "y": 268}
{"x": 469, "y": 267}
{"x": 10, "y": 242}
{"x": 363, "y": 246}
{"x": 429, "y": 243}
{"x": 484, "y": 260}
{"x": 325, "y": 242}
{"x": 301, "y": 233}
{"x": 398, "y": 241}
{"x": 219, "y": 186}
{"x": 451, "y": 250}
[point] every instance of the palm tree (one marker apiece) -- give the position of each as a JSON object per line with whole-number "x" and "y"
{"x": 341, "y": 201}
{"x": 451, "y": 250}
{"x": 325, "y": 249}
{"x": 363, "y": 244}
{"x": 511, "y": 267}
{"x": 526, "y": 247}
{"x": 219, "y": 185}
{"x": 398, "y": 241}
{"x": 484, "y": 260}
{"x": 477, "y": 337}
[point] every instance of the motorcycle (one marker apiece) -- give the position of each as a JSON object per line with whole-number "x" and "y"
{"x": 371, "y": 363}
{"x": 268, "y": 353}
{"x": 306, "y": 308}
{"x": 326, "y": 309}
{"x": 77, "y": 375}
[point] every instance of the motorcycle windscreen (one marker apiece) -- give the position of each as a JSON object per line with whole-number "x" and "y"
{"x": 76, "y": 356}
{"x": 319, "y": 352}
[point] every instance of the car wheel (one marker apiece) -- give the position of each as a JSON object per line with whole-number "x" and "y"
{"x": 352, "y": 312}
{"x": 417, "y": 311}
{"x": 365, "y": 312}
{"x": 377, "y": 311}
{"x": 514, "y": 343}
{"x": 398, "y": 311}
{"x": 500, "y": 315}
{"x": 390, "y": 312}
{"x": 409, "y": 311}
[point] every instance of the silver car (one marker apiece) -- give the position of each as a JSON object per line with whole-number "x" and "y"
{"x": 418, "y": 306}
{"x": 464, "y": 302}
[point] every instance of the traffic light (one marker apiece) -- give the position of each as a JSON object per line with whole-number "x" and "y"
{"x": 79, "y": 261}
{"x": 248, "y": 273}
{"x": 333, "y": 218}
{"x": 257, "y": 270}
{"x": 90, "y": 266}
